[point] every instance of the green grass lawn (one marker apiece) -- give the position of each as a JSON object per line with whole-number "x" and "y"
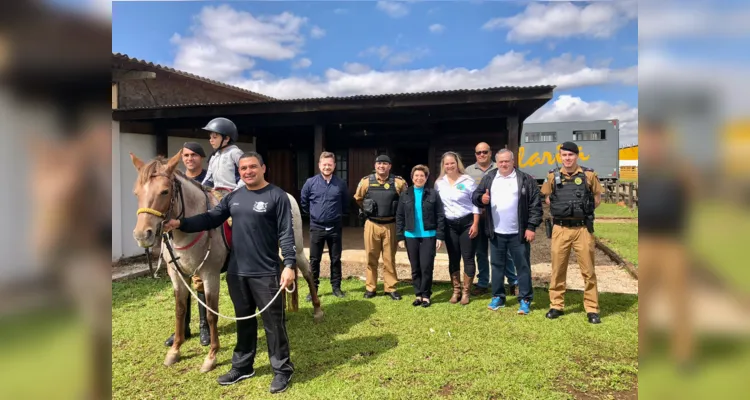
{"x": 611, "y": 210}
{"x": 718, "y": 234}
{"x": 620, "y": 237}
{"x": 44, "y": 356}
{"x": 385, "y": 349}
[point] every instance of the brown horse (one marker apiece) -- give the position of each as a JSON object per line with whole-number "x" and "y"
{"x": 165, "y": 193}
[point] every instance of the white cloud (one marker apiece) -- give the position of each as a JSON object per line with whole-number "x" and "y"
{"x": 393, "y": 8}
{"x": 509, "y": 69}
{"x": 356, "y": 68}
{"x": 302, "y": 63}
{"x": 571, "y": 108}
{"x": 406, "y": 57}
{"x": 436, "y": 28}
{"x": 317, "y": 32}
{"x": 564, "y": 19}
{"x": 208, "y": 60}
{"x": 340, "y": 11}
{"x": 681, "y": 20}
{"x": 381, "y": 52}
{"x": 392, "y": 58}
{"x": 224, "y": 41}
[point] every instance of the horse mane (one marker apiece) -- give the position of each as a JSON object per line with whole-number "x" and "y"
{"x": 155, "y": 166}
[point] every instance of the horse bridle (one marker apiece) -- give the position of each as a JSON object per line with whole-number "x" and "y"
{"x": 176, "y": 192}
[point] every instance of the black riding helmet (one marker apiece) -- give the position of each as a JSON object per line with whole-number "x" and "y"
{"x": 223, "y": 127}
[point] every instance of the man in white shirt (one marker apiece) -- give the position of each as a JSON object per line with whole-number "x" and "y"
{"x": 478, "y": 170}
{"x": 513, "y": 212}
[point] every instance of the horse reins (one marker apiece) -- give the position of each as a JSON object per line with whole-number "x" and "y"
{"x": 166, "y": 238}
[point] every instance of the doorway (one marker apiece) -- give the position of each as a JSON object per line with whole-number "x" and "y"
{"x": 404, "y": 159}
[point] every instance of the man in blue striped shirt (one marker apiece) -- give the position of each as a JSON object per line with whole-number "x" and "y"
{"x": 325, "y": 198}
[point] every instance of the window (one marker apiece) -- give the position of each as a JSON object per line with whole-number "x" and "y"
{"x": 342, "y": 165}
{"x": 589, "y": 135}
{"x": 538, "y": 137}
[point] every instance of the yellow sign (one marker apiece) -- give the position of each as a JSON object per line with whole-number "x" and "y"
{"x": 545, "y": 158}
{"x": 578, "y": 181}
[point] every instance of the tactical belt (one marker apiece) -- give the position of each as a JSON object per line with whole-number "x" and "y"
{"x": 382, "y": 221}
{"x": 570, "y": 223}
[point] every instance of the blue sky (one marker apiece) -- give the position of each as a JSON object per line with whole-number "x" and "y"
{"x": 308, "y": 49}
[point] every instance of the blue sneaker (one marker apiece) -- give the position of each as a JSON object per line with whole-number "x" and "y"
{"x": 496, "y": 303}
{"x": 523, "y": 309}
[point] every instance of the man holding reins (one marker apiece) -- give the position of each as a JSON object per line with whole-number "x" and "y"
{"x": 262, "y": 217}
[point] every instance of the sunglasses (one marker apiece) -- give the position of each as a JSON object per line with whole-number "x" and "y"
{"x": 482, "y": 152}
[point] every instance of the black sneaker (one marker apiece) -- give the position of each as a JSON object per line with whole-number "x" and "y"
{"x": 308, "y": 298}
{"x": 338, "y": 293}
{"x": 369, "y": 295}
{"x": 554, "y": 313}
{"x": 280, "y": 383}
{"x": 593, "y": 318}
{"x": 233, "y": 376}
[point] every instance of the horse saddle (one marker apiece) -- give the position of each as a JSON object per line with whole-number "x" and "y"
{"x": 226, "y": 230}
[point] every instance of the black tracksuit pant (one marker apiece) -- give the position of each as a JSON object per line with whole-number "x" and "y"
{"x": 248, "y": 295}
{"x": 319, "y": 237}
{"x": 421, "y": 252}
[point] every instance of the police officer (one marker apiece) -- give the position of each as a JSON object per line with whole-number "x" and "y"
{"x": 377, "y": 196}
{"x": 572, "y": 192}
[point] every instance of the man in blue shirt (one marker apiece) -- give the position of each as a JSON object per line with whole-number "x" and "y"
{"x": 325, "y": 198}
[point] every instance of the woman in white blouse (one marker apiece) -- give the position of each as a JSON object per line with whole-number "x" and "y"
{"x": 461, "y": 222}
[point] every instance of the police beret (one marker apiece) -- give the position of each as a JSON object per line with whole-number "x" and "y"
{"x": 383, "y": 158}
{"x": 569, "y": 146}
{"x": 195, "y": 148}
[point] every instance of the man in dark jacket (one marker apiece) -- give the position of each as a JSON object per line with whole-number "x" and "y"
{"x": 514, "y": 211}
{"x": 326, "y": 198}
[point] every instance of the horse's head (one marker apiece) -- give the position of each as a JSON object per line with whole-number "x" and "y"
{"x": 154, "y": 187}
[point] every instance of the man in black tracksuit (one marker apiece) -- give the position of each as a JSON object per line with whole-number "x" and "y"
{"x": 262, "y": 220}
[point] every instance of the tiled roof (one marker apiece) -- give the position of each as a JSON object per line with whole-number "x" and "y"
{"x": 126, "y": 58}
{"x": 498, "y": 89}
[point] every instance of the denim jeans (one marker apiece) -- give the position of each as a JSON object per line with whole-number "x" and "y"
{"x": 503, "y": 247}
{"x": 483, "y": 263}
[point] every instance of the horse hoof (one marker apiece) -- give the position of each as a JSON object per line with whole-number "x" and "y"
{"x": 172, "y": 357}
{"x": 318, "y": 317}
{"x": 208, "y": 365}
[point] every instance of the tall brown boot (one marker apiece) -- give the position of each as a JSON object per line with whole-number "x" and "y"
{"x": 456, "y": 281}
{"x": 466, "y": 289}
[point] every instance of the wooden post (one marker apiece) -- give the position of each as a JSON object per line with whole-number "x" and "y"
{"x": 319, "y": 142}
{"x": 512, "y": 126}
{"x": 630, "y": 195}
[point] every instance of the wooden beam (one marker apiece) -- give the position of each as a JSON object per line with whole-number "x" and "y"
{"x": 115, "y": 95}
{"x": 318, "y": 141}
{"x": 513, "y": 136}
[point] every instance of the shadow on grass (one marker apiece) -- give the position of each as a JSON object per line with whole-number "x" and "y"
{"x": 315, "y": 349}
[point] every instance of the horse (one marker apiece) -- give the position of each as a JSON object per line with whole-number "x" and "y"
{"x": 164, "y": 193}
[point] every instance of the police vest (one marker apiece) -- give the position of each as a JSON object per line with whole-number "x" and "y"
{"x": 381, "y": 200}
{"x": 572, "y": 198}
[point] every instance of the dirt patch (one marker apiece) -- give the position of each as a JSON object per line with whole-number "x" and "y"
{"x": 610, "y": 276}
{"x": 631, "y": 394}
{"x": 446, "y": 390}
